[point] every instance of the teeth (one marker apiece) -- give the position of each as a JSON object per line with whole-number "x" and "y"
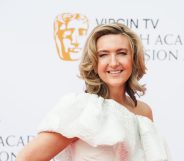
{"x": 115, "y": 72}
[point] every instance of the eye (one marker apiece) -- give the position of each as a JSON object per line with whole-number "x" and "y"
{"x": 67, "y": 33}
{"x": 122, "y": 53}
{"x": 102, "y": 55}
{"x": 82, "y": 32}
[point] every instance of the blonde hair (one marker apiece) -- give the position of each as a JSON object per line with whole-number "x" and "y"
{"x": 89, "y": 61}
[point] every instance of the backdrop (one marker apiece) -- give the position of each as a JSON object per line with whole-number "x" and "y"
{"x": 36, "y": 70}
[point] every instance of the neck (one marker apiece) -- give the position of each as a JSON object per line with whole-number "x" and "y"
{"x": 117, "y": 94}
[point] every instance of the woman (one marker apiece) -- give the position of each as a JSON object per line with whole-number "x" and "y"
{"x": 107, "y": 122}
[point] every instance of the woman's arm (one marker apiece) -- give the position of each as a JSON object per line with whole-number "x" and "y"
{"x": 44, "y": 147}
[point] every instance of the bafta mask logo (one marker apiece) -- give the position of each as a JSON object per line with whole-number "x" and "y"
{"x": 70, "y": 32}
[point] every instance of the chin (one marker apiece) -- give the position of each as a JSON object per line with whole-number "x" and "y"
{"x": 116, "y": 85}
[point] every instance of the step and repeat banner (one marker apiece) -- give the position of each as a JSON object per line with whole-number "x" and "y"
{"x": 40, "y": 48}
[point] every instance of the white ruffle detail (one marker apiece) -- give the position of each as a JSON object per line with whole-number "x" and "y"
{"x": 153, "y": 145}
{"x": 98, "y": 121}
{"x": 90, "y": 118}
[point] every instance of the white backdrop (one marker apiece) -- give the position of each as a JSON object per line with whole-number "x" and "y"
{"x": 33, "y": 78}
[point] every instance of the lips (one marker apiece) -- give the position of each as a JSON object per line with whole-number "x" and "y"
{"x": 114, "y": 71}
{"x": 74, "y": 50}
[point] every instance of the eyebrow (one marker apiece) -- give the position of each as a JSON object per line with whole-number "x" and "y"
{"x": 106, "y": 51}
{"x": 102, "y": 51}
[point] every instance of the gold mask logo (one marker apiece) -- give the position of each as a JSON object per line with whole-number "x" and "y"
{"x": 70, "y": 31}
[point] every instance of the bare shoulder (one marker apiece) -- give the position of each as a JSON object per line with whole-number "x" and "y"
{"x": 144, "y": 109}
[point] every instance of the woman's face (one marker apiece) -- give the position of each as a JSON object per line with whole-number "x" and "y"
{"x": 114, "y": 60}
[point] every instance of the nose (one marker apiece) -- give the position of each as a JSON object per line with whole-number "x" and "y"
{"x": 75, "y": 41}
{"x": 113, "y": 61}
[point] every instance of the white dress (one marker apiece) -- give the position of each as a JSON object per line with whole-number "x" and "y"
{"x": 107, "y": 131}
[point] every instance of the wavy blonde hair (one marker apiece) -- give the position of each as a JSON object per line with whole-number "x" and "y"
{"x": 89, "y": 62}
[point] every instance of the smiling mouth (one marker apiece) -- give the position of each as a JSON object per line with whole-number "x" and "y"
{"x": 115, "y": 72}
{"x": 74, "y": 50}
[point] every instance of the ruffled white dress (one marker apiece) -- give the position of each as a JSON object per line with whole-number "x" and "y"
{"x": 107, "y": 131}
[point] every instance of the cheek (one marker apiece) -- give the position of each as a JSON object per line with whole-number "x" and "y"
{"x": 101, "y": 67}
{"x": 128, "y": 63}
{"x": 66, "y": 43}
{"x": 128, "y": 66}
